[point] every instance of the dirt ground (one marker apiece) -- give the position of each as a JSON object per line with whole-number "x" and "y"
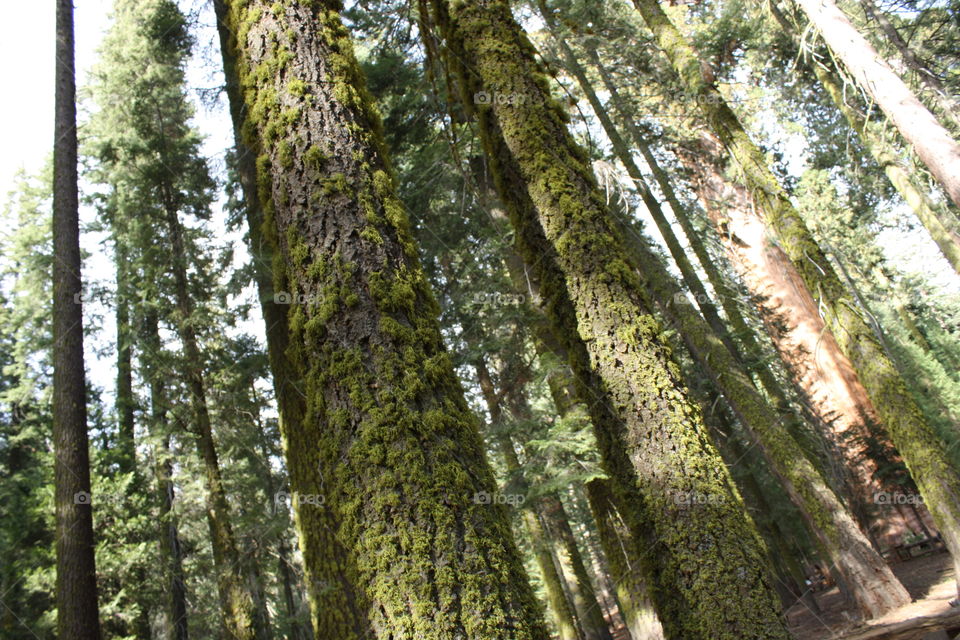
{"x": 929, "y": 579}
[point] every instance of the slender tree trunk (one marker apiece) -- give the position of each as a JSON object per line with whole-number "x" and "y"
{"x": 125, "y": 401}
{"x": 657, "y": 432}
{"x": 928, "y": 80}
{"x": 170, "y": 549}
{"x": 625, "y": 566}
{"x": 932, "y": 142}
{"x": 585, "y": 599}
{"x": 913, "y": 437}
{"x": 77, "y": 611}
{"x": 236, "y": 599}
{"x": 398, "y": 447}
{"x": 563, "y": 613}
{"x": 873, "y": 587}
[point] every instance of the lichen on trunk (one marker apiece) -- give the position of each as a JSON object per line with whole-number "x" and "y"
{"x": 398, "y": 452}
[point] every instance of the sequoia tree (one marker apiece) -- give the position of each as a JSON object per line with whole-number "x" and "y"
{"x": 909, "y": 431}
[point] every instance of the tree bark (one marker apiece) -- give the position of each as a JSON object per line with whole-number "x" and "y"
{"x": 170, "y": 549}
{"x": 909, "y": 431}
{"x": 399, "y": 451}
{"x": 932, "y": 142}
{"x": 657, "y": 442}
{"x": 333, "y": 600}
{"x": 872, "y": 585}
{"x": 77, "y": 611}
{"x": 941, "y": 226}
{"x": 947, "y": 103}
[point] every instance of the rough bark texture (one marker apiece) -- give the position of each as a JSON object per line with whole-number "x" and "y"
{"x": 332, "y": 598}
{"x": 625, "y": 566}
{"x": 872, "y": 586}
{"x": 707, "y": 559}
{"x": 399, "y": 452}
{"x": 932, "y": 142}
{"x": 921, "y": 449}
{"x": 77, "y": 612}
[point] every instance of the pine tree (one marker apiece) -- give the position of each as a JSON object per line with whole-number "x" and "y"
{"x": 567, "y": 235}
{"x": 77, "y": 612}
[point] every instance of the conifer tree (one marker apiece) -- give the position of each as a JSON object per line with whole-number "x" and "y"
{"x": 77, "y": 612}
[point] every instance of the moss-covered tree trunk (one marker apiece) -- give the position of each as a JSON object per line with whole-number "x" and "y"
{"x": 333, "y": 600}
{"x": 909, "y": 431}
{"x": 655, "y": 442}
{"x": 400, "y": 455}
{"x": 76, "y": 587}
{"x": 932, "y": 142}
{"x": 872, "y": 585}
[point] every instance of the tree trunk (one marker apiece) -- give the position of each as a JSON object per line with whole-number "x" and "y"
{"x": 625, "y": 567}
{"x": 656, "y": 442}
{"x": 170, "y": 549}
{"x": 873, "y": 587}
{"x": 333, "y": 600}
{"x": 585, "y": 599}
{"x": 941, "y": 226}
{"x": 237, "y": 601}
{"x": 932, "y": 142}
{"x": 125, "y": 401}
{"x": 913, "y": 437}
{"x": 560, "y": 605}
{"x": 929, "y": 81}
{"x": 400, "y": 455}
{"x": 77, "y": 611}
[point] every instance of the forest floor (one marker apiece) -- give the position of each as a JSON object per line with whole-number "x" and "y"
{"x": 930, "y": 581}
